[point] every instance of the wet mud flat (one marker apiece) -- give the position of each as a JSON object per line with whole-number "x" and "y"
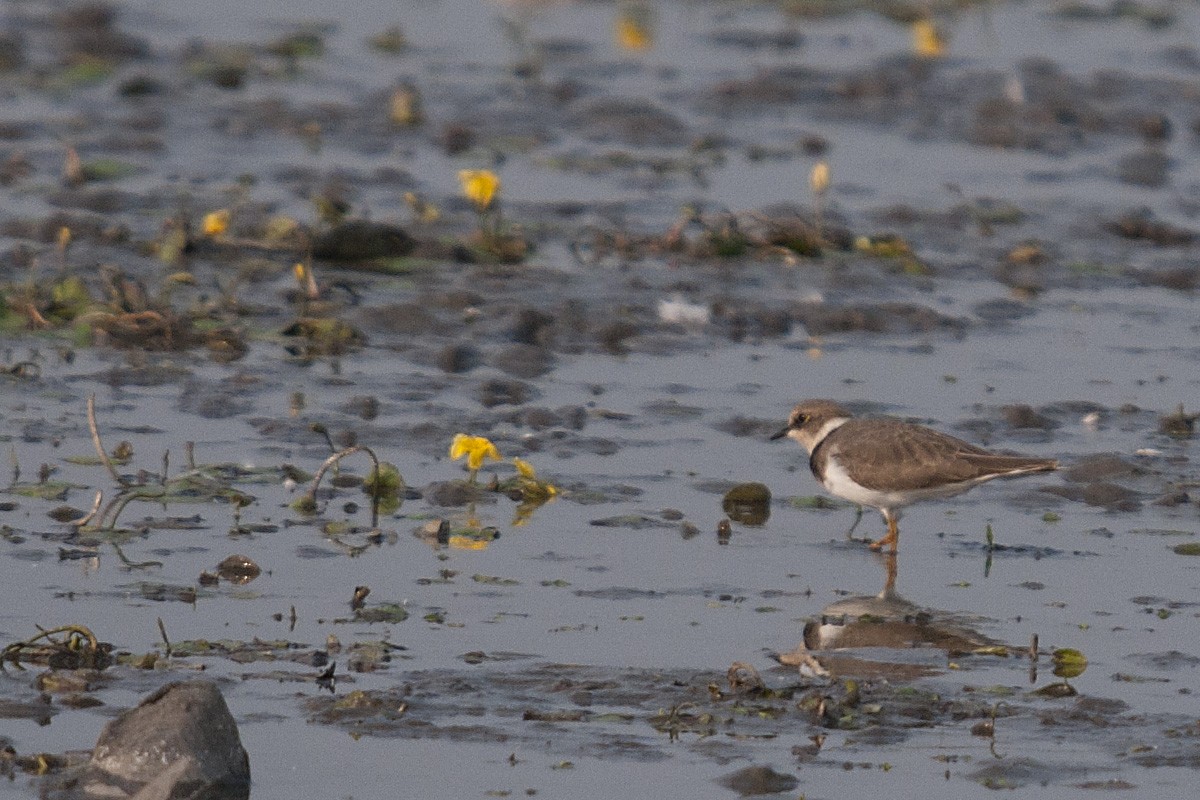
{"x": 249, "y": 240}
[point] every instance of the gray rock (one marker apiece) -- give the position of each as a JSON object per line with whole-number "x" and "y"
{"x": 180, "y": 742}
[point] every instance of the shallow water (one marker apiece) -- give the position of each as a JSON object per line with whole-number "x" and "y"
{"x": 627, "y": 605}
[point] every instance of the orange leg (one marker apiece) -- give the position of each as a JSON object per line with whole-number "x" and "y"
{"x": 893, "y": 534}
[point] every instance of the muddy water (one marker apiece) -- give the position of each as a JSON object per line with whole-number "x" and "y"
{"x": 545, "y": 660}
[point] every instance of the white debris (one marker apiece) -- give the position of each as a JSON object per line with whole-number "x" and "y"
{"x": 679, "y": 311}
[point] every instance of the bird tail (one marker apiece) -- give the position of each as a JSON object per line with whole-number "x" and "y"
{"x": 1012, "y": 466}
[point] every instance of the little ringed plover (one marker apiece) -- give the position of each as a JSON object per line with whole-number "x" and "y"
{"x": 889, "y": 464}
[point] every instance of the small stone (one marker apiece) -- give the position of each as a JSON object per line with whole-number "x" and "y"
{"x": 457, "y": 358}
{"x": 238, "y": 569}
{"x": 504, "y": 392}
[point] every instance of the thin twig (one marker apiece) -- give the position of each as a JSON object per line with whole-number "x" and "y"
{"x": 134, "y": 564}
{"x": 86, "y": 518}
{"x": 93, "y": 643}
{"x": 335, "y": 458}
{"x": 112, "y": 470}
{"x": 162, "y": 629}
{"x": 120, "y": 501}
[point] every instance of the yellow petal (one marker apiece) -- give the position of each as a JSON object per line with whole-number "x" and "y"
{"x": 635, "y": 29}
{"x": 458, "y": 447}
{"x": 928, "y": 41}
{"x": 216, "y": 222}
{"x": 525, "y": 469}
{"x": 460, "y": 542}
{"x": 480, "y": 186}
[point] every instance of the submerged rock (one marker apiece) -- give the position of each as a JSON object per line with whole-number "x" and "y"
{"x": 181, "y": 741}
{"x": 758, "y": 780}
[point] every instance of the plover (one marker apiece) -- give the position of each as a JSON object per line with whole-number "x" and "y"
{"x": 888, "y": 464}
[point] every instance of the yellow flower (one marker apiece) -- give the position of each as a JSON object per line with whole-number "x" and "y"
{"x": 928, "y": 41}
{"x": 818, "y": 179}
{"x": 216, "y": 222}
{"x": 531, "y": 482}
{"x": 635, "y": 30}
{"x": 460, "y": 542}
{"x": 475, "y": 448}
{"x": 525, "y": 469}
{"x": 480, "y": 186}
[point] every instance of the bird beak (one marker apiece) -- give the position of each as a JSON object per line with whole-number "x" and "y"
{"x": 782, "y": 433}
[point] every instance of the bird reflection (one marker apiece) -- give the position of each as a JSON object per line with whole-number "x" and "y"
{"x": 884, "y": 620}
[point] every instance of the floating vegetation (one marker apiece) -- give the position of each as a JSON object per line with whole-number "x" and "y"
{"x": 1068, "y": 663}
{"x": 748, "y": 503}
{"x": 529, "y": 489}
{"x": 1179, "y": 424}
{"x": 383, "y": 612}
{"x": 66, "y": 647}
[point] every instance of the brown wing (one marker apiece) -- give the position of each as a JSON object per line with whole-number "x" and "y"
{"x": 910, "y": 457}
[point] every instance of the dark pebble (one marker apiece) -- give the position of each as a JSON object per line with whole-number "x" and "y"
{"x": 364, "y": 406}
{"x": 1023, "y": 416}
{"x": 532, "y": 327}
{"x": 1111, "y": 496}
{"x": 524, "y": 360}
{"x": 612, "y": 337}
{"x": 499, "y": 391}
{"x": 457, "y": 358}
{"x": 1149, "y": 168}
{"x": 1103, "y": 466}
{"x": 539, "y": 419}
